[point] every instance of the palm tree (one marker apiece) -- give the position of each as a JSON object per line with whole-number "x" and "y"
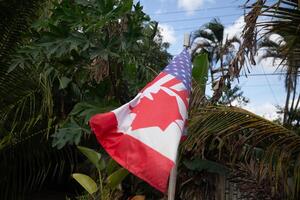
{"x": 210, "y": 38}
{"x": 260, "y": 155}
{"x": 282, "y": 18}
{"x": 229, "y": 136}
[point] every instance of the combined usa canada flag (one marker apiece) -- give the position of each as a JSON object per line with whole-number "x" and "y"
{"x": 143, "y": 135}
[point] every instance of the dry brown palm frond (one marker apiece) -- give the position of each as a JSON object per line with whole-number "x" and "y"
{"x": 248, "y": 45}
{"x": 239, "y": 135}
{"x": 198, "y": 98}
{"x": 281, "y": 17}
{"x": 253, "y": 181}
{"x": 263, "y": 18}
{"x": 99, "y": 69}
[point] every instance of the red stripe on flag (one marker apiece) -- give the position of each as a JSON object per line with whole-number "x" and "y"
{"x": 135, "y": 156}
{"x": 183, "y": 94}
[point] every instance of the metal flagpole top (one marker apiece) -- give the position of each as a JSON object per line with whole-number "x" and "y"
{"x": 186, "y": 40}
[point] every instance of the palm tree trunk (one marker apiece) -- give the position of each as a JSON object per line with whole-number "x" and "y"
{"x": 286, "y": 107}
{"x": 292, "y": 109}
{"x": 297, "y": 104}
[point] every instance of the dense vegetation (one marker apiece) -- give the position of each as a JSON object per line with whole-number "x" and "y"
{"x": 77, "y": 58}
{"x": 63, "y": 61}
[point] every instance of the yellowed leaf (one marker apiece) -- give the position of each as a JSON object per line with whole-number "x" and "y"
{"x": 138, "y": 197}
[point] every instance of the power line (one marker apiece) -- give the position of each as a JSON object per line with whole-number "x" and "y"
{"x": 266, "y": 74}
{"x": 261, "y": 85}
{"x": 196, "y": 27}
{"x": 197, "y": 10}
{"x": 273, "y": 94}
{"x": 199, "y": 18}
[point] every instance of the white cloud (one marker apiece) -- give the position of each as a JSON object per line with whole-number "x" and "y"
{"x": 159, "y": 11}
{"x": 191, "y": 5}
{"x": 269, "y": 64}
{"x": 167, "y": 33}
{"x": 235, "y": 29}
{"x": 266, "y": 110}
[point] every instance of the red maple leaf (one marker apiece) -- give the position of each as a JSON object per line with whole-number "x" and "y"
{"x": 161, "y": 111}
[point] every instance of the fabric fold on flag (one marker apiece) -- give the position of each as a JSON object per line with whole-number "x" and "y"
{"x": 143, "y": 135}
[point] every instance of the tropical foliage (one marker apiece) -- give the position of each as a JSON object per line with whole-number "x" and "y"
{"x": 252, "y": 152}
{"x": 242, "y": 137}
{"x": 266, "y": 18}
{"x": 79, "y": 58}
{"x": 64, "y": 61}
{"x": 211, "y": 39}
{"x": 107, "y": 187}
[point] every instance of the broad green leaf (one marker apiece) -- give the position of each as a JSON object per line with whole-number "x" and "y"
{"x": 93, "y": 156}
{"x": 200, "y": 70}
{"x": 117, "y": 177}
{"x": 86, "y": 182}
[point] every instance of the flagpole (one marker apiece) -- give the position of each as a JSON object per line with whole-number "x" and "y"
{"x": 172, "y": 183}
{"x": 173, "y": 174}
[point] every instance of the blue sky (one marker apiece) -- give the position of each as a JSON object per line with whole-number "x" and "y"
{"x": 177, "y": 17}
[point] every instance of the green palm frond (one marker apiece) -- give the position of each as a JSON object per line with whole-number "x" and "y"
{"x": 27, "y": 157}
{"x": 268, "y": 43}
{"x": 212, "y": 31}
{"x": 205, "y": 34}
{"x": 203, "y": 45}
{"x": 239, "y": 135}
{"x": 27, "y": 165}
{"x": 217, "y": 28}
{"x": 271, "y": 48}
{"x": 16, "y": 18}
{"x": 25, "y": 98}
